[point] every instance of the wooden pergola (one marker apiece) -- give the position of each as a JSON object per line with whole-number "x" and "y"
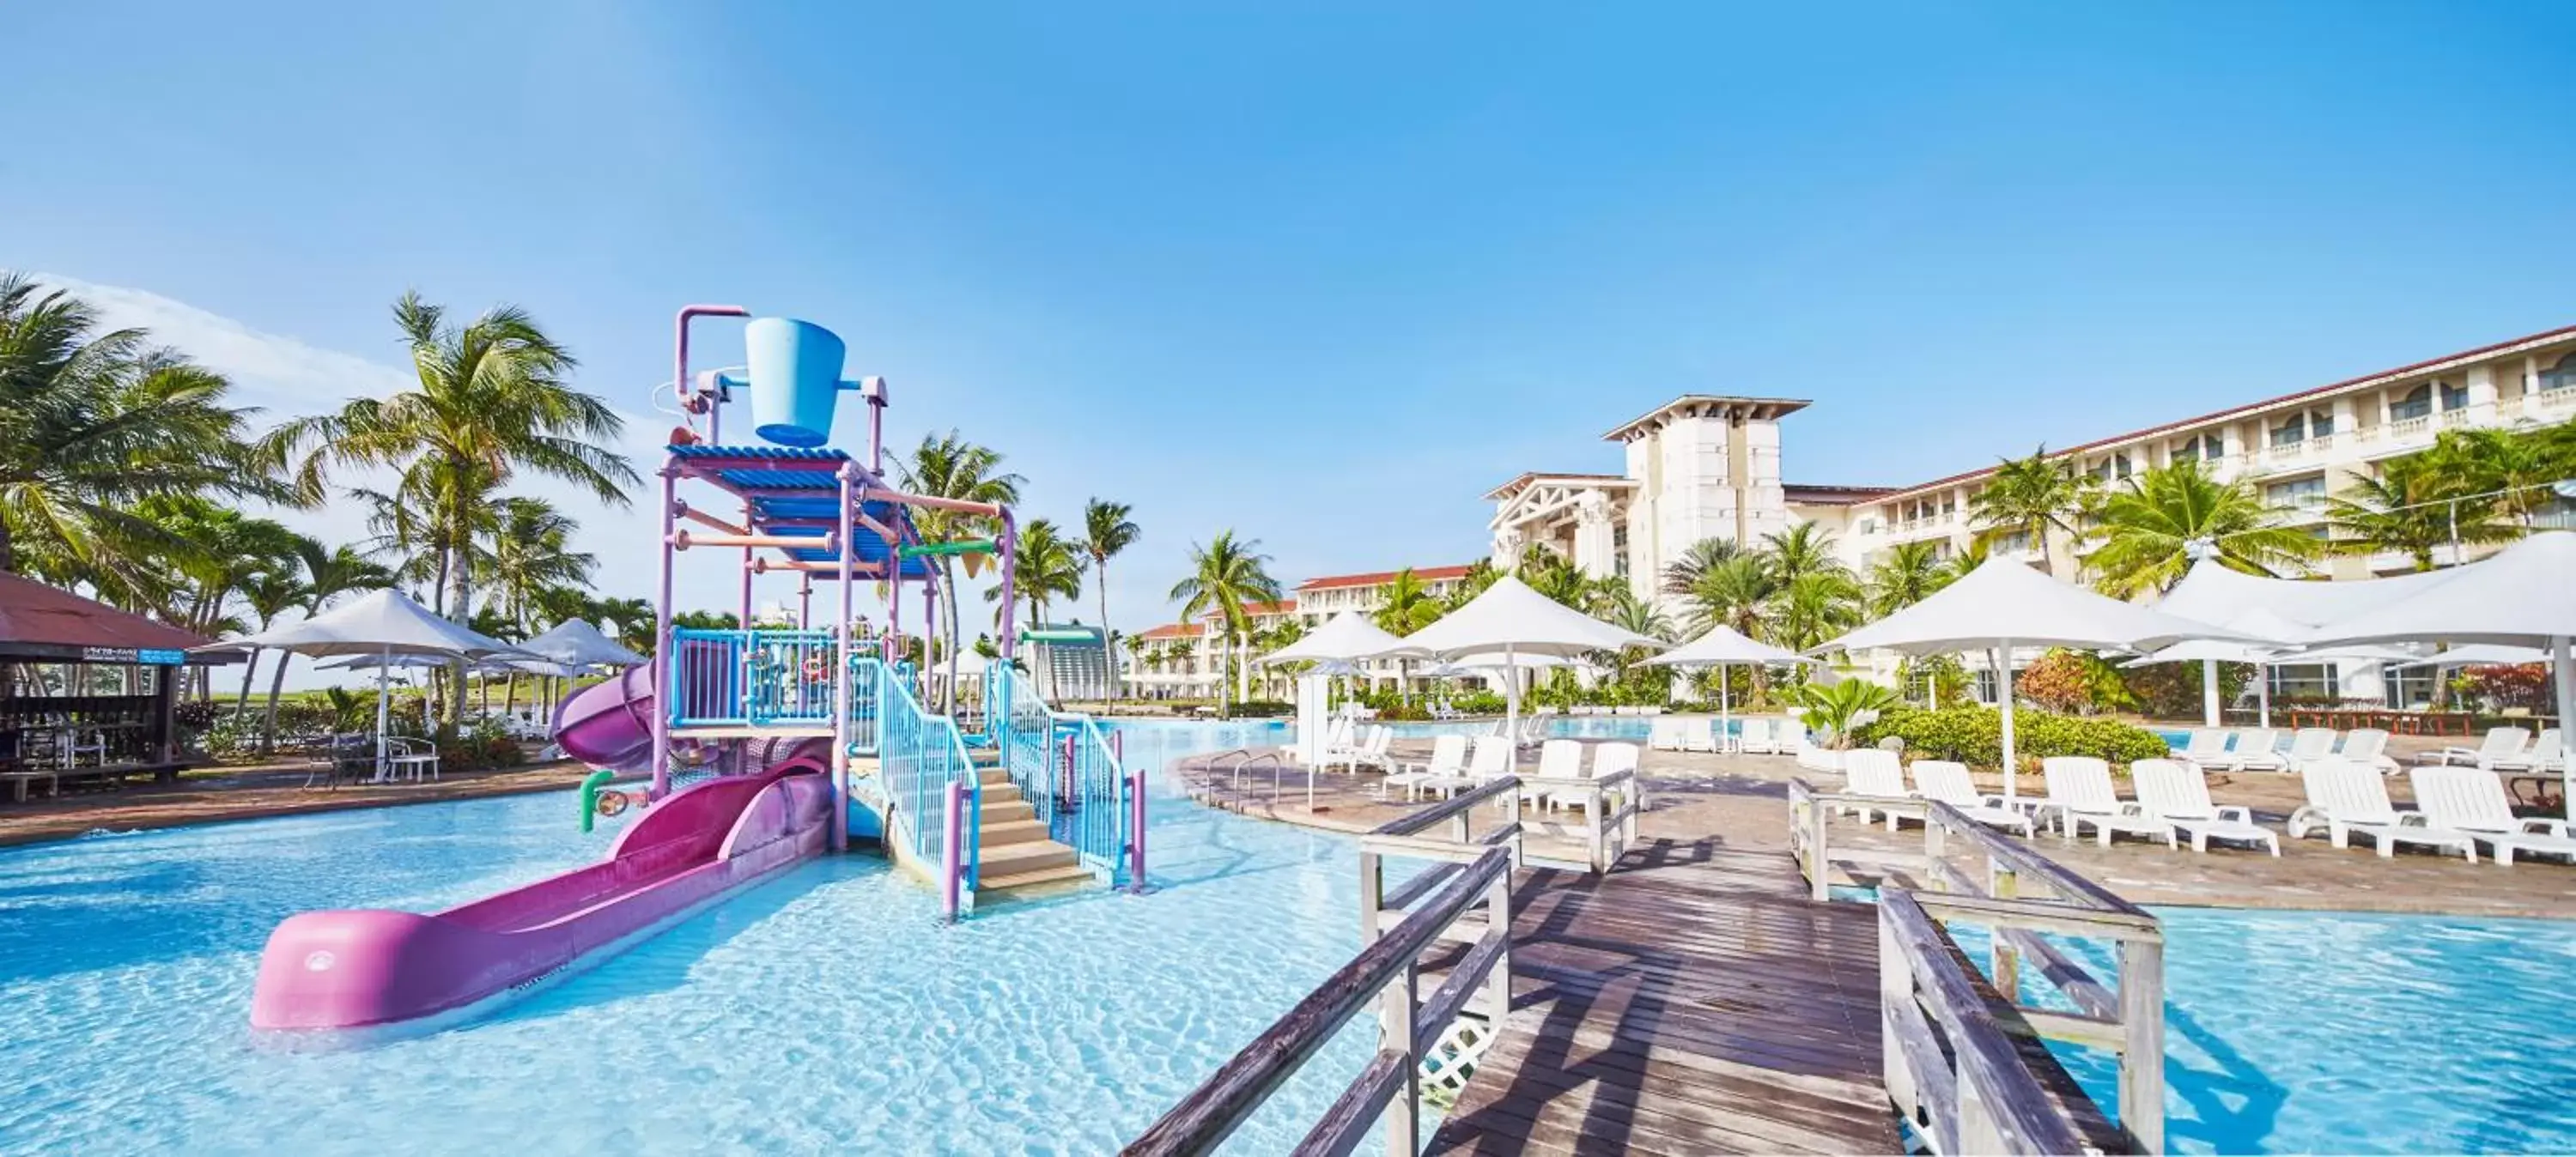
{"x": 87, "y": 690}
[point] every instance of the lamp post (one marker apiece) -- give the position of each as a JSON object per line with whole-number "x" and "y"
{"x": 2202, "y": 549}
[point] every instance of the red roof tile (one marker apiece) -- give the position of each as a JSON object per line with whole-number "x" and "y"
{"x": 1428, "y": 574}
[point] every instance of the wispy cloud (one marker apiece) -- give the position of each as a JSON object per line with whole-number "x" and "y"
{"x": 272, "y": 371}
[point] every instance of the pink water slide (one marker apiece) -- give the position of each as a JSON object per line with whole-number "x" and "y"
{"x": 610, "y": 724}
{"x": 363, "y": 969}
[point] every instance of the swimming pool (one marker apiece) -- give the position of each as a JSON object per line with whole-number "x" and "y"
{"x": 2309, "y": 1032}
{"x": 827, "y": 1008}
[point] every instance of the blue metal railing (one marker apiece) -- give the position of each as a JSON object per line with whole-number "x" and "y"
{"x": 919, "y": 753}
{"x": 1066, "y": 767}
{"x": 749, "y": 678}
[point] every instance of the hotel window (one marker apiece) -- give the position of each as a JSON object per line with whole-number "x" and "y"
{"x": 2199, "y": 447}
{"x": 2120, "y": 464}
{"x": 2303, "y": 492}
{"x": 2454, "y": 397}
{"x": 2418, "y": 403}
{"x": 2292, "y": 432}
{"x": 2304, "y": 681}
{"x": 2320, "y": 423}
{"x": 2561, "y": 376}
{"x": 1619, "y": 551}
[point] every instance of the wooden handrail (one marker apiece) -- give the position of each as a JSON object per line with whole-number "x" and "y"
{"x": 1463, "y": 801}
{"x": 1211, "y": 1113}
{"x": 1999, "y": 1106}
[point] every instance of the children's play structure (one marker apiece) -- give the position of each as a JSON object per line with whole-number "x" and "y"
{"x": 765, "y": 747}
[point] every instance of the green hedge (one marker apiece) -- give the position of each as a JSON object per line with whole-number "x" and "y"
{"x": 1974, "y": 735}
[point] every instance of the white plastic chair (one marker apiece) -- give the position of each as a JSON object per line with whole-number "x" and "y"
{"x": 2500, "y": 743}
{"x": 1448, "y": 761}
{"x": 1871, "y": 772}
{"x": 2548, "y": 752}
{"x": 1607, "y": 759}
{"x": 2472, "y": 801}
{"x": 2348, "y": 799}
{"x": 2177, "y": 793}
{"x": 2368, "y": 745}
{"x": 1557, "y": 759}
{"x": 1944, "y": 781}
{"x": 2206, "y": 746}
{"x": 2255, "y": 749}
{"x": 2080, "y": 792}
{"x": 2310, "y": 743}
{"x": 1755, "y": 738}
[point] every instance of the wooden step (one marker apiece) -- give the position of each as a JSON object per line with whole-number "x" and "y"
{"x": 1022, "y": 858}
{"x": 1002, "y": 793}
{"x": 1066, "y": 879}
{"x": 992, "y": 775}
{"x": 1010, "y": 832}
{"x": 1006, "y": 813}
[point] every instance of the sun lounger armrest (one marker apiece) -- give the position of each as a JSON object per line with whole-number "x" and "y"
{"x": 2556, "y": 828}
{"x": 2236, "y": 812}
{"x": 2414, "y": 819}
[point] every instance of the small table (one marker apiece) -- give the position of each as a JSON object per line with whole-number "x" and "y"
{"x": 19, "y": 780}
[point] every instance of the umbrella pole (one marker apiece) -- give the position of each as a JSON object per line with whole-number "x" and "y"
{"x": 2209, "y": 692}
{"x": 2564, "y": 674}
{"x": 2004, "y": 703}
{"x": 1512, "y": 702}
{"x": 2262, "y": 695}
{"x": 384, "y": 709}
{"x": 1725, "y": 724}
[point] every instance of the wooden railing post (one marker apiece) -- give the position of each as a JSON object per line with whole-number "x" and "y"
{"x": 1935, "y": 848}
{"x": 1498, "y": 986}
{"x": 1513, "y": 808}
{"x": 1372, "y": 894}
{"x": 1895, "y": 990}
{"x": 2142, "y": 1055}
{"x": 2003, "y": 883}
{"x": 1395, "y": 1031}
{"x": 1592, "y": 832}
{"x": 1818, "y": 866}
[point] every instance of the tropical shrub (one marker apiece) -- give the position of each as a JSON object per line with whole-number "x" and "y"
{"x": 1264, "y": 708}
{"x": 2172, "y": 690}
{"x": 2524, "y": 685}
{"x": 2073, "y": 682}
{"x": 1836, "y": 711}
{"x": 1974, "y": 735}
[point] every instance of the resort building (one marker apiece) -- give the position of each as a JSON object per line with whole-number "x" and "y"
{"x": 1186, "y": 659}
{"x": 1712, "y": 466}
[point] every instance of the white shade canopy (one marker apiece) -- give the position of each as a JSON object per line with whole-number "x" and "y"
{"x": 2005, "y": 600}
{"x": 1511, "y": 617}
{"x": 527, "y": 665}
{"x": 2213, "y": 592}
{"x": 2481, "y": 654}
{"x": 1723, "y": 644}
{"x": 2524, "y": 595}
{"x": 1347, "y": 636}
{"x": 384, "y": 622}
{"x": 576, "y": 643}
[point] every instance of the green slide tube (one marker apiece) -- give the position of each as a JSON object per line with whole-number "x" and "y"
{"x": 590, "y": 796}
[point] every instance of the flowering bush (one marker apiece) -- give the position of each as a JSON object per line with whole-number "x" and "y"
{"x": 2073, "y": 682}
{"x": 2524, "y": 685}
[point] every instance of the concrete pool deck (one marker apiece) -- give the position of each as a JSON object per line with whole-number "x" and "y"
{"x": 258, "y": 792}
{"x": 1740, "y": 803}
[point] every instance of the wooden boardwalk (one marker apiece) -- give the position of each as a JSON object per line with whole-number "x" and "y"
{"x": 1693, "y": 1001}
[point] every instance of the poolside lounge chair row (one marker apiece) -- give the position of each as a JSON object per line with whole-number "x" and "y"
{"x": 1582, "y": 709}
{"x": 2459, "y": 807}
{"x": 1754, "y": 735}
{"x": 2260, "y": 748}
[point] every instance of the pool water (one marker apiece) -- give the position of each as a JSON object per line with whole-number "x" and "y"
{"x": 2331, "y": 1032}
{"x": 828, "y": 1008}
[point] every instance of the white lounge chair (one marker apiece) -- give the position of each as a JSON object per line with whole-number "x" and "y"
{"x": 2080, "y": 792}
{"x": 2368, "y": 745}
{"x": 2206, "y": 746}
{"x": 1662, "y": 735}
{"x": 1489, "y": 758}
{"x": 2500, "y": 743}
{"x": 2310, "y": 743}
{"x": 1557, "y": 759}
{"x": 1607, "y": 759}
{"x": 1810, "y": 756}
{"x": 1448, "y": 761}
{"x": 2177, "y": 793}
{"x": 2256, "y": 749}
{"x": 1877, "y": 774}
{"x": 1337, "y": 738}
{"x": 1533, "y": 732}
{"x": 1755, "y": 738}
{"x": 1700, "y": 735}
{"x": 2348, "y": 799}
{"x": 2472, "y": 801}
{"x": 2548, "y": 752}
{"x": 1946, "y": 782}
{"x": 1371, "y": 750}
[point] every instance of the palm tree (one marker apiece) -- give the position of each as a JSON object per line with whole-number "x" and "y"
{"x": 2152, "y": 525}
{"x": 529, "y": 556}
{"x": 1480, "y": 577}
{"x": 267, "y": 595}
{"x": 1407, "y": 605}
{"x": 1802, "y": 550}
{"x": 949, "y": 466}
{"x": 2520, "y": 463}
{"x": 2027, "y": 496}
{"x": 2404, "y": 509}
{"x": 91, "y": 422}
{"x": 1698, "y": 559}
{"x": 1551, "y": 574}
{"x": 1814, "y": 607}
{"x": 1105, "y": 532}
{"x": 1225, "y": 575}
{"x": 492, "y": 402}
{"x": 1045, "y": 566}
{"x": 632, "y": 619}
{"x": 1735, "y": 595}
{"x": 1909, "y": 573}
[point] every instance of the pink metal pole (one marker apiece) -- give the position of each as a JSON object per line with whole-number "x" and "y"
{"x": 841, "y": 705}
{"x": 663, "y": 652}
{"x": 953, "y": 831}
{"x": 745, "y": 619}
{"x": 1136, "y": 832}
{"x": 680, "y": 364}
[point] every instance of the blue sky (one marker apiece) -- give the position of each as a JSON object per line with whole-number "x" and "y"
{"x": 1324, "y": 274}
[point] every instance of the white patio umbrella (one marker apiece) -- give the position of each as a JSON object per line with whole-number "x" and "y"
{"x": 576, "y": 643}
{"x": 1723, "y": 645}
{"x": 2004, "y": 604}
{"x": 2522, "y": 596}
{"x": 382, "y": 623}
{"x": 2479, "y": 655}
{"x": 1336, "y": 648}
{"x": 1517, "y": 621}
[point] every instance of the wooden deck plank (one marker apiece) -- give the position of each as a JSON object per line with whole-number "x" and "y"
{"x": 1692, "y": 1001}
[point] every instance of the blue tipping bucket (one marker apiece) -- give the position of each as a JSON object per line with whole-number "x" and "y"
{"x": 795, "y": 380}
